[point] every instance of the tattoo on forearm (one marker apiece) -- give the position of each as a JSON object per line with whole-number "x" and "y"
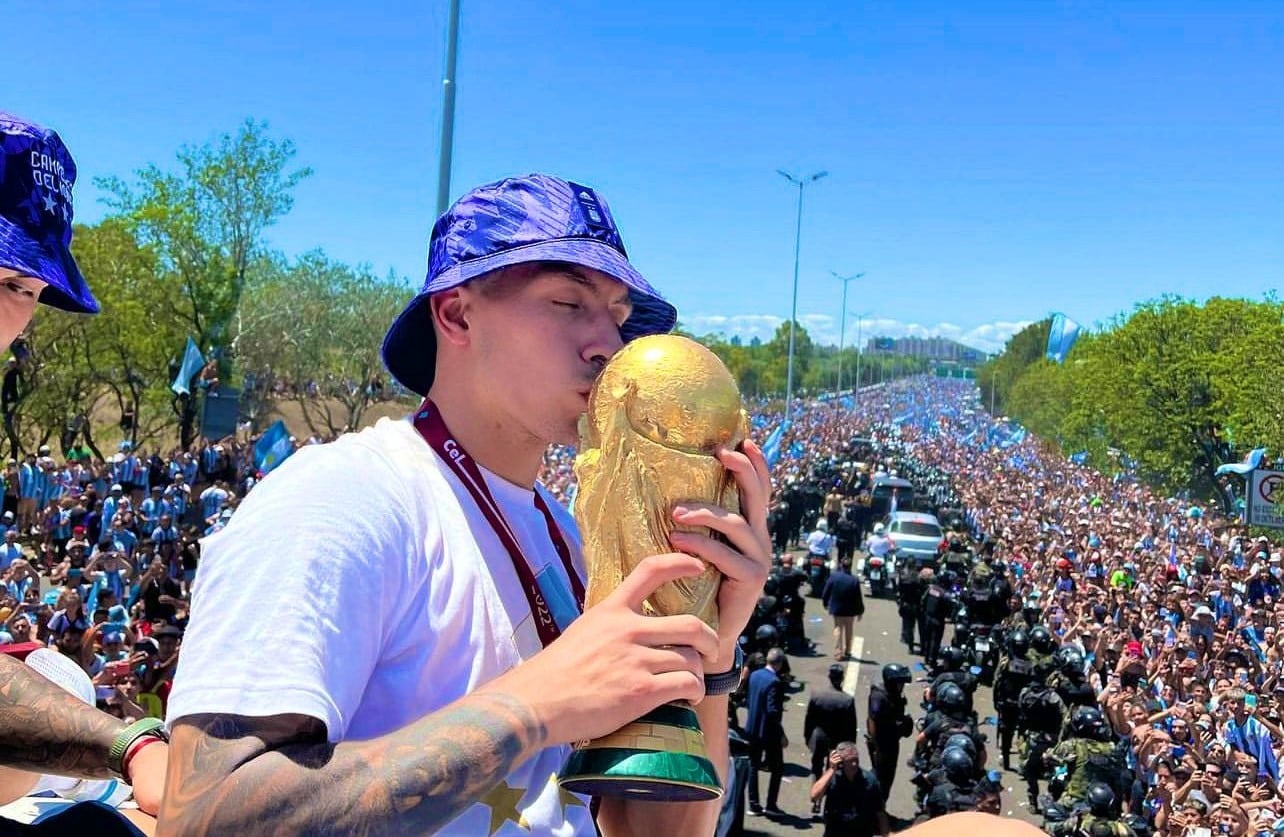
{"x": 230, "y": 772}
{"x": 46, "y": 729}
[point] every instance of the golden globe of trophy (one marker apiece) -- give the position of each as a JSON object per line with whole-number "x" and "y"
{"x": 659, "y": 411}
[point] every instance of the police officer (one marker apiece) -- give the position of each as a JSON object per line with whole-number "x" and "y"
{"x": 962, "y": 788}
{"x": 1040, "y": 713}
{"x": 910, "y": 586}
{"x": 951, "y": 714}
{"x": 1090, "y": 756}
{"x": 1014, "y": 673}
{"x": 986, "y": 592}
{"x": 935, "y": 607}
{"x": 1069, "y": 678}
{"x": 1042, "y": 647}
{"x": 1101, "y": 819}
{"x": 887, "y": 722}
{"x": 952, "y": 671}
{"x": 957, "y": 557}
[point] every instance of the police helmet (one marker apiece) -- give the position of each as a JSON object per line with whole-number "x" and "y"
{"x": 1101, "y": 799}
{"x": 766, "y": 635}
{"x": 1069, "y": 660}
{"x": 958, "y": 764}
{"x": 1041, "y": 640}
{"x": 1088, "y": 722}
{"x": 962, "y": 742}
{"x": 1018, "y": 642}
{"x": 948, "y": 577}
{"x": 952, "y": 698}
{"x": 896, "y": 673}
{"x": 952, "y": 658}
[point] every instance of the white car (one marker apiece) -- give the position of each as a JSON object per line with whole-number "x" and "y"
{"x": 917, "y": 536}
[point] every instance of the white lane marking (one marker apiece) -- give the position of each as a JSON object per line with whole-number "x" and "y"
{"x": 853, "y": 665}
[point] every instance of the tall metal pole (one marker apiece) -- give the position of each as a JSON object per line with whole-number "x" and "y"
{"x": 858, "y": 317}
{"x": 793, "y": 311}
{"x": 842, "y": 329}
{"x": 448, "y": 109}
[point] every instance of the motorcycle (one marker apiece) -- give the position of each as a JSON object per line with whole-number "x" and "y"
{"x": 817, "y": 574}
{"x": 878, "y": 572}
{"x": 983, "y": 650}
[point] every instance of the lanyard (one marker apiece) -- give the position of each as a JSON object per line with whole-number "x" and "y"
{"x": 434, "y": 431}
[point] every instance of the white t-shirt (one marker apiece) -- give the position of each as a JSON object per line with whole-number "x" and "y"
{"x": 360, "y": 585}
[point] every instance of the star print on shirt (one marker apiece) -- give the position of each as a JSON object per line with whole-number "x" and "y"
{"x": 566, "y": 797}
{"x": 49, "y": 204}
{"x": 503, "y": 801}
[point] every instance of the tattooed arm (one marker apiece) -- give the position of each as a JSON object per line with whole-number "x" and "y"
{"x": 46, "y": 729}
{"x": 232, "y": 772}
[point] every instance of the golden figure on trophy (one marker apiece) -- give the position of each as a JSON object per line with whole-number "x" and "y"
{"x": 660, "y": 410}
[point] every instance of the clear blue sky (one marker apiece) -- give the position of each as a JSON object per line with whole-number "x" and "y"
{"x": 989, "y": 162}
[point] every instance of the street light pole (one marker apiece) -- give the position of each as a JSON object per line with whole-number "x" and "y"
{"x": 793, "y": 311}
{"x": 859, "y": 317}
{"x": 448, "y": 109}
{"x": 842, "y": 329}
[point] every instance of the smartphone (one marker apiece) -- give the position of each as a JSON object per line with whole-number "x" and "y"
{"x": 1179, "y": 752}
{"x": 1250, "y": 701}
{"x": 1199, "y": 832}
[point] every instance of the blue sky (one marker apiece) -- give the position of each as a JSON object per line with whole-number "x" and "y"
{"x": 988, "y": 162}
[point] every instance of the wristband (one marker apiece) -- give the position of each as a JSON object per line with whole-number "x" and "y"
{"x": 124, "y": 739}
{"x": 726, "y": 682}
{"x": 137, "y": 747}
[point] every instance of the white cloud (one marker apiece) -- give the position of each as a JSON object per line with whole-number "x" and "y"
{"x": 824, "y": 329}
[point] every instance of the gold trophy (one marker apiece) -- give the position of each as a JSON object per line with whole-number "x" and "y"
{"x": 660, "y": 409}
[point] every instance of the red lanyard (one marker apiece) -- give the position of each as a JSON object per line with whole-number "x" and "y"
{"x": 434, "y": 431}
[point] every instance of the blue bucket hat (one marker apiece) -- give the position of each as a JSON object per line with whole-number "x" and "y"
{"x": 534, "y": 218}
{"x": 36, "y": 177}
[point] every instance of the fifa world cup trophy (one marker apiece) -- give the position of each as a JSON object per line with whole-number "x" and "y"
{"x": 660, "y": 410}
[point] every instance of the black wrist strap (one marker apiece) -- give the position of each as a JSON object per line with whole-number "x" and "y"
{"x": 726, "y": 682}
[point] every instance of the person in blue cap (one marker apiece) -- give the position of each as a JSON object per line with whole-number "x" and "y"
{"x": 42, "y": 729}
{"x": 428, "y": 663}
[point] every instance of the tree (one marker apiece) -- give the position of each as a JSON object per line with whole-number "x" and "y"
{"x": 205, "y": 221}
{"x": 319, "y": 324}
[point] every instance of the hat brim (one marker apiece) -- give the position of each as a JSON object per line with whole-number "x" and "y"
{"x": 410, "y": 347}
{"x": 52, "y": 263}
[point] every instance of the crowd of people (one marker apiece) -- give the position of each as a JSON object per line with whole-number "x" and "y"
{"x": 1150, "y": 625}
{"x": 98, "y": 558}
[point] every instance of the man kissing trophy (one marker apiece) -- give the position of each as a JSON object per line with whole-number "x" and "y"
{"x": 659, "y": 411}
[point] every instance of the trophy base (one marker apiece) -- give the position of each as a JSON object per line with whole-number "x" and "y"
{"x": 659, "y": 757}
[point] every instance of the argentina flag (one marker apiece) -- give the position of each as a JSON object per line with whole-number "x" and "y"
{"x": 193, "y": 360}
{"x": 1061, "y": 337}
{"x": 273, "y": 447}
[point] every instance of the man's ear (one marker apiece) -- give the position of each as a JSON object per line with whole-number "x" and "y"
{"x": 450, "y": 315}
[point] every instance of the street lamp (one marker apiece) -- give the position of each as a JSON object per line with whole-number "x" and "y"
{"x": 793, "y": 311}
{"x": 448, "y": 109}
{"x": 858, "y": 317}
{"x": 842, "y": 329}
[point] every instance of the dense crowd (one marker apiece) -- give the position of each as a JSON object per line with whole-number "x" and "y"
{"x": 1156, "y": 619}
{"x": 1172, "y": 611}
{"x": 98, "y": 558}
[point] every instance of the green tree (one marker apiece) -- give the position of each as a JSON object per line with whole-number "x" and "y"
{"x": 205, "y": 220}
{"x": 319, "y": 324}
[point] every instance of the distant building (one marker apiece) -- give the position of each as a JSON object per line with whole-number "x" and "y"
{"x": 932, "y": 348}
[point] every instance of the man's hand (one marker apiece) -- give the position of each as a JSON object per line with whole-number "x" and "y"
{"x": 745, "y": 559}
{"x": 614, "y": 664}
